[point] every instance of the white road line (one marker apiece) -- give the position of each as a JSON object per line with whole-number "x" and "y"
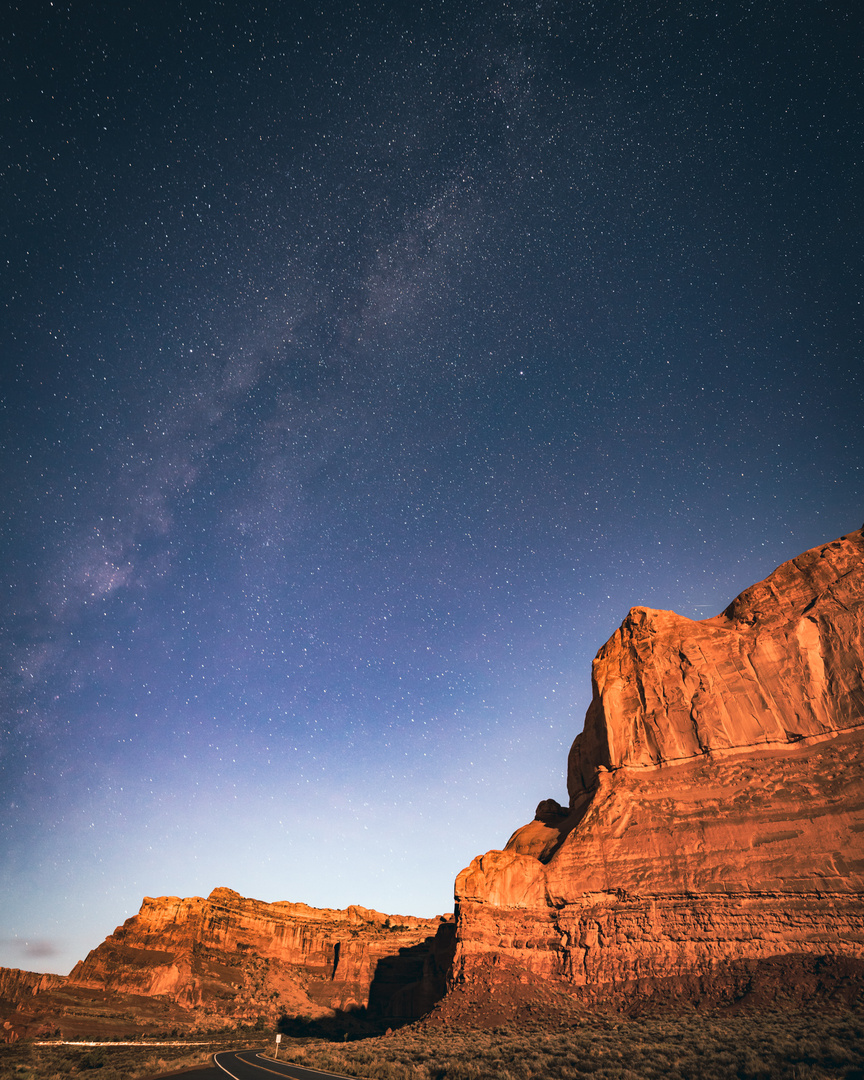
{"x": 274, "y": 1072}
{"x": 305, "y": 1068}
{"x": 222, "y": 1067}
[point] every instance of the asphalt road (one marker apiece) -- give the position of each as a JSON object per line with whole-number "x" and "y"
{"x": 249, "y": 1065}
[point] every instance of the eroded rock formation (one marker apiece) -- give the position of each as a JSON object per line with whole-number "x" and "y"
{"x": 716, "y": 820}
{"x": 712, "y": 849}
{"x": 782, "y": 662}
{"x": 229, "y": 954}
{"x": 17, "y": 985}
{"x": 200, "y": 963}
{"x": 17, "y": 991}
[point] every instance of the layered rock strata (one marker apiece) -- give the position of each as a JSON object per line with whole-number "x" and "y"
{"x": 716, "y": 820}
{"x": 17, "y": 991}
{"x": 234, "y": 956}
{"x": 782, "y": 662}
{"x": 17, "y": 985}
{"x": 196, "y": 963}
{"x": 712, "y": 849}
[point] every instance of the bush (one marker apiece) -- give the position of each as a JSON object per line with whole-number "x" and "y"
{"x": 94, "y": 1060}
{"x": 788, "y": 1046}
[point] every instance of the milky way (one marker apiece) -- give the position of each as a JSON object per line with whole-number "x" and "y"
{"x": 361, "y": 369}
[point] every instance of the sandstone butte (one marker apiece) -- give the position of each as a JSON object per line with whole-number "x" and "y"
{"x": 712, "y": 851}
{"x": 714, "y": 841}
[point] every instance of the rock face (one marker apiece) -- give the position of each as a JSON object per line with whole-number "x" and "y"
{"x": 712, "y": 850}
{"x": 198, "y": 963}
{"x": 782, "y": 662}
{"x": 16, "y": 985}
{"x": 17, "y": 990}
{"x": 228, "y": 955}
{"x": 714, "y": 841}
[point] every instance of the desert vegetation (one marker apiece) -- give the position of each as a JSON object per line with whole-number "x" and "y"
{"x": 58, "y": 1061}
{"x": 817, "y": 1045}
{"x": 776, "y": 1046}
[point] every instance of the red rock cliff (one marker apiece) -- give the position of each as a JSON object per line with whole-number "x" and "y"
{"x": 716, "y": 819}
{"x": 231, "y": 956}
{"x": 17, "y": 985}
{"x": 17, "y": 991}
{"x": 782, "y": 662}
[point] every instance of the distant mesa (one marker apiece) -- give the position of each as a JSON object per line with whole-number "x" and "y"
{"x": 712, "y": 853}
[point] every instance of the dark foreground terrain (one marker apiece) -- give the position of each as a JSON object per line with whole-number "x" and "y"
{"x": 803, "y": 1045}
{"x": 27, "y": 1060}
{"x": 707, "y": 1047}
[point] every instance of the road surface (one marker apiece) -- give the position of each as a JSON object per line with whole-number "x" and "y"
{"x": 249, "y": 1065}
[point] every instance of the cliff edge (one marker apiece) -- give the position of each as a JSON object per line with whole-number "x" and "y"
{"x": 781, "y": 663}
{"x": 713, "y": 846}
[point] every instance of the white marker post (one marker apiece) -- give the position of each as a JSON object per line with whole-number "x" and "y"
{"x": 278, "y": 1040}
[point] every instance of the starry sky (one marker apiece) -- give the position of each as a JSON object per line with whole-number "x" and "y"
{"x": 362, "y": 365}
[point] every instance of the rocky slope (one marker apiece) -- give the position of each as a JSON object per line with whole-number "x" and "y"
{"x": 714, "y": 841}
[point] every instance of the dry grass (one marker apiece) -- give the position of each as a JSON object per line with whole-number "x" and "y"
{"x": 779, "y": 1046}
{"x": 25, "y": 1061}
{"x": 818, "y": 1045}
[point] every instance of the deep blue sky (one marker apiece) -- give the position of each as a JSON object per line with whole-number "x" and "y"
{"x": 361, "y": 368}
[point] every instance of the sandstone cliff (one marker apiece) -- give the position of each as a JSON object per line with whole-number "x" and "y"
{"x": 782, "y": 662}
{"x": 228, "y": 955}
{"x": 715, "y": 831}
{"x": 203, "y": 963}
{"x": 17, "y": 991}
{"x": 712, "y": 850}
{"x": 16, "y": 985}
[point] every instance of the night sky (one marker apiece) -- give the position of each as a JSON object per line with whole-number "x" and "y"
{"x": 362, "y": 365}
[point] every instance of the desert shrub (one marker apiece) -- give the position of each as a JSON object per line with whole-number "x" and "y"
{"x": 95, "y": 1059}
{"x": 26, "y": 1061}
{"x": 820, "y": 1046}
